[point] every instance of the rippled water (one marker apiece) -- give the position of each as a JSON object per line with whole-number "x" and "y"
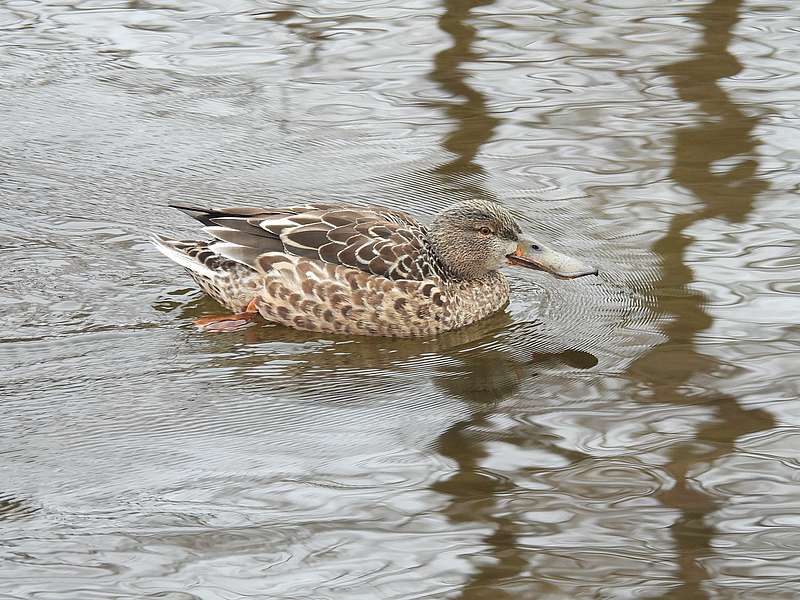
{"x": 632, "y": 437}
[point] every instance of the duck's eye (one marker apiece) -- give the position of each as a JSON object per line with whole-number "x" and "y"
{"x": 485, "y": 231}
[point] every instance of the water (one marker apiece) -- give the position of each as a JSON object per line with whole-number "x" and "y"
{"x": 632, "y": 437}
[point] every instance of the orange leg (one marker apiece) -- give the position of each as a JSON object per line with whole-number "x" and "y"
{"x": 232, "y": 322}
{"x": 252, "y": 307}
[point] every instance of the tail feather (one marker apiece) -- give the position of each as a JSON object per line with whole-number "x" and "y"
{"x": 171, "y": 249}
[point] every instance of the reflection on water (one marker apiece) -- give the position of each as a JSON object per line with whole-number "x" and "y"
{"x": 485, "y": 377}
{"x": 630, "y": 437}
{"x": 474, "y": 125}
{"x": 723, "y": 132}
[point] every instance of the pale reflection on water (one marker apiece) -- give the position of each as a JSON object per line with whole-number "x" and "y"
{"x": 629, "y": 437}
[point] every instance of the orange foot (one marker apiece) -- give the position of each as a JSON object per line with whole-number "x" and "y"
{"x": 233, "y": 322}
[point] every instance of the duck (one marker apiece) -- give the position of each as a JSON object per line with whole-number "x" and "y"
{"x": 360, "y": 270}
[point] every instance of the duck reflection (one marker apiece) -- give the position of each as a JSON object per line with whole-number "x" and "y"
{"x": 482, "y": 367}
{"x": 484, "y": 379}
{"x": 724, "y": 133}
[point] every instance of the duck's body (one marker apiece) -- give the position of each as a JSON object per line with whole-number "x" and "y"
{"x": 354, "y": 270}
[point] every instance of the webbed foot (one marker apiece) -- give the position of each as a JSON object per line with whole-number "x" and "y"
{"x": 228, "y": 323}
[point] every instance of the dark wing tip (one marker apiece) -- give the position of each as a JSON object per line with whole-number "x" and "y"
{"x": 201, "y": 214}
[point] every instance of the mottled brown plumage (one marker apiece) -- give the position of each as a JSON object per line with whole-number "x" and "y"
{"x": 356, "y": 270}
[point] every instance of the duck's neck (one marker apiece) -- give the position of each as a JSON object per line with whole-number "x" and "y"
{"x": 450, "y": 260}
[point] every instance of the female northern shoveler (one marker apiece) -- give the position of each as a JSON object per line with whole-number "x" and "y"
{"x": 361, "y": 271}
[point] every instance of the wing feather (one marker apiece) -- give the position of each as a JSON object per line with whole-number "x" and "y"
{"x": 376, "y": 240}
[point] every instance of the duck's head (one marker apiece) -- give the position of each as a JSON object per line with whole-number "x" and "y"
{"x": 474, "y": 237}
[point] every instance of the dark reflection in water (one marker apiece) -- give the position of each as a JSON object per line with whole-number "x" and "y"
{"x": 483, "y": 377}
{"x": 142, "y": 459}
{"x": 13, "y": 508}
{"x": 723, "y": 132}
{"x": 474, "y": 125}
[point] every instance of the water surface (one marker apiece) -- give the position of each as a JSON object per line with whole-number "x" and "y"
{"x": 622, "y": 438}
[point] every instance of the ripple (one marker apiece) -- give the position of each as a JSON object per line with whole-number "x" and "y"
{"x": 637, "y": 429}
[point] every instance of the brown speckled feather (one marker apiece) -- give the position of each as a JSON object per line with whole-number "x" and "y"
{"x": 348, "y": 270}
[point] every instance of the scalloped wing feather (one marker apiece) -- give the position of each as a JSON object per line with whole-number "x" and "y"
{"x": 375, "y": 240}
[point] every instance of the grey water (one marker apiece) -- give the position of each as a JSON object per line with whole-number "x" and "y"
{"x": 633, "y": 436}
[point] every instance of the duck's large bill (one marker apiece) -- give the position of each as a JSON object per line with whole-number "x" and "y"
{"x": 537, "y": 256}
